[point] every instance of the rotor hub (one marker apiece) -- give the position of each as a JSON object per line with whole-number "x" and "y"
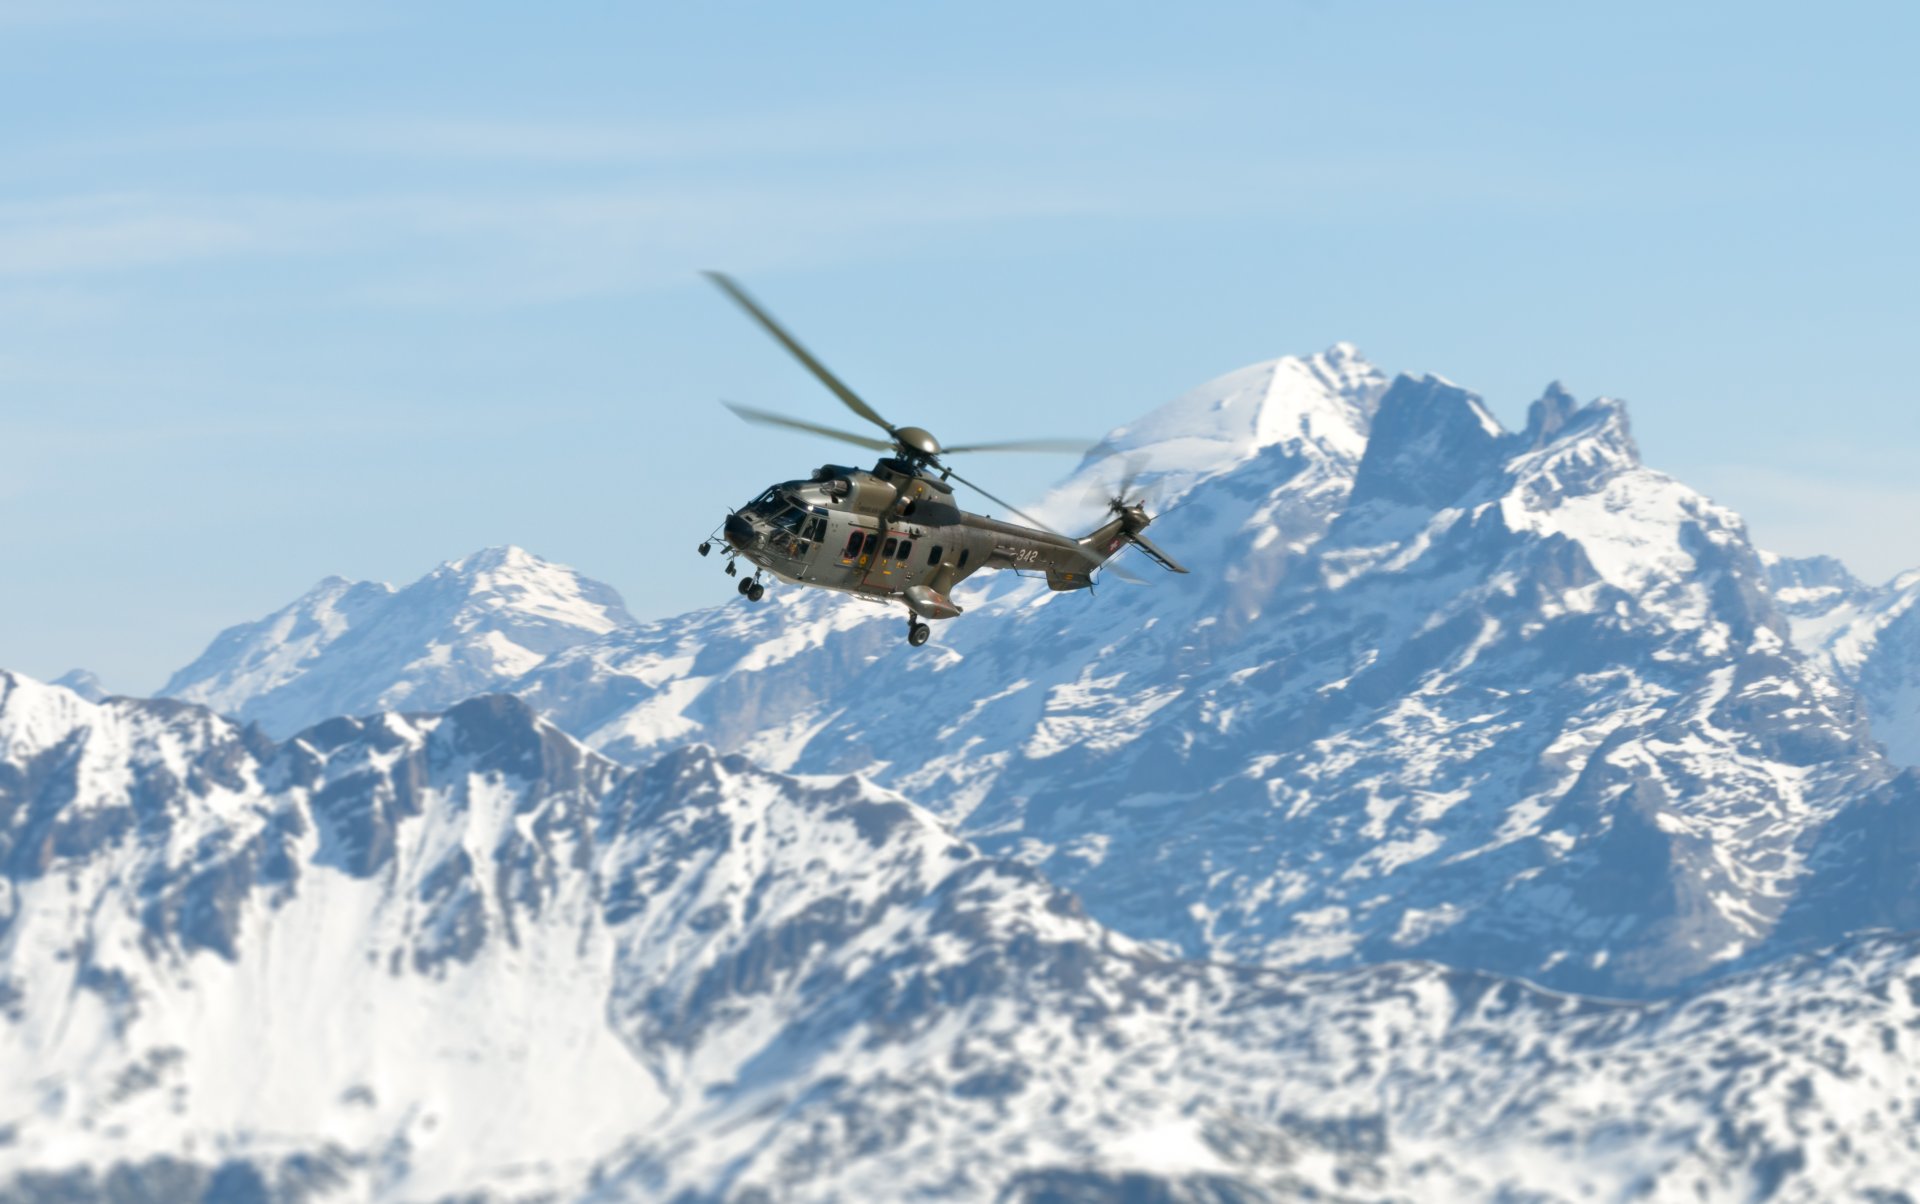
{"x": 917, "y": 440}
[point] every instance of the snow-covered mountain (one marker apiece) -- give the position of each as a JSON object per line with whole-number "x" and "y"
{"x": 1869, "y": 637}
{"x": 355, "y": 647}
{"x": 1510, "y": 700}
{"x": 462, "y": 956}
{"x": 84, "y": 683}
{"x": 1507, "y": 700}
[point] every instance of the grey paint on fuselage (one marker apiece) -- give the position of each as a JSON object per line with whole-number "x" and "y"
{"x": 805, "y": 532}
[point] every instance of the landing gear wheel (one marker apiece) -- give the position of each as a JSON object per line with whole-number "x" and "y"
{"x": 755, "y": 591}
{"x": 746, "y": 586}
{"x": 918, "y": 634}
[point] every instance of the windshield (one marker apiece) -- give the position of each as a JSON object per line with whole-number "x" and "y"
{"x": 789, "y": 518}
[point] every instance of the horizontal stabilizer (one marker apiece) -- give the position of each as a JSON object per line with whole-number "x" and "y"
{"x": 1146, "y": 545}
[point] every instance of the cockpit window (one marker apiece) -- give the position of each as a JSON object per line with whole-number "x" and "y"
{"x": 789, "y": 518}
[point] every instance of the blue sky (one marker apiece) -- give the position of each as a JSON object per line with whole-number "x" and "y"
{"x": 354, "y": 289}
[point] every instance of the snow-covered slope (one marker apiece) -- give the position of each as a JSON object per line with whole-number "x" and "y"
{"x": 462, "y": 956}
{"x": 1316, "y": 404}
{"x": 1868, "y": 637}
{"x": 350, "y": 648}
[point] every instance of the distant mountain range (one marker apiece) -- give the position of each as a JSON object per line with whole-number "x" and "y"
{"x": 462, "y": 956}
{"x": 1511, "y": 701}
{"x": 1230, "y": 886}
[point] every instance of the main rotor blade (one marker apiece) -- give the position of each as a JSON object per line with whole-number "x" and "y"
{"x": 1030, "y": 520}
{"x": 769, "y": 418}
{"x": 800, "y": 353}
{"x": 1077, "y": 447}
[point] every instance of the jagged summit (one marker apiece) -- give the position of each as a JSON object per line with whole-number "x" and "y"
{"x": 1551, "y": 411}
{"x": 1429, "y": 441}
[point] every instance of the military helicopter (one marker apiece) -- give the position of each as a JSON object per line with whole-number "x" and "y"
{"x": 894, "y": 532}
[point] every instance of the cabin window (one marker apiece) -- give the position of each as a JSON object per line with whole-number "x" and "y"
{"x": 964, "y": 553}
{"x": 933, "y": 554}
{"x": 868, "y": 546}
{"x": 886, "y": 549}
{"x": 906, "y": 549}
{"x": 853, "y": 545}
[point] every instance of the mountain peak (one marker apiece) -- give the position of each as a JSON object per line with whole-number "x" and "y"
{"x": 1430, "y": 440}
{"x": 468, "y": 627}
{"x": 84, "y": 683}
{"x": 510, "y": 578}
{"x": 1604, "y": 420}
{"x": 1324, "y": 401}
{"x": 495, "y": 558}
{"x": 1549, "y": 414}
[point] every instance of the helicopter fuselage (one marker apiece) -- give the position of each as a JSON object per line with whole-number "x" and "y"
{"x": 895, "y": 534}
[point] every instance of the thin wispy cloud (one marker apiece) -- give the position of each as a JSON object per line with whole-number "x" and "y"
{"x": 89, "y": 235}
{"x": 533, "y": 239}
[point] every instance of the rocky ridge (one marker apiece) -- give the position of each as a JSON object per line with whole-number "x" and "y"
{"x": 422, "y": 957}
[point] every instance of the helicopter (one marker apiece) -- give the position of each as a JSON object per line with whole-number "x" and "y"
{"x": 894, "y": 532}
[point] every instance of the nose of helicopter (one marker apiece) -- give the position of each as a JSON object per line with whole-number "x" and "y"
{"x": 739, "y": 531}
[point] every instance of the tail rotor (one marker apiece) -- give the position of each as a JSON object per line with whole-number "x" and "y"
{"x": 1127, "y": 507}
